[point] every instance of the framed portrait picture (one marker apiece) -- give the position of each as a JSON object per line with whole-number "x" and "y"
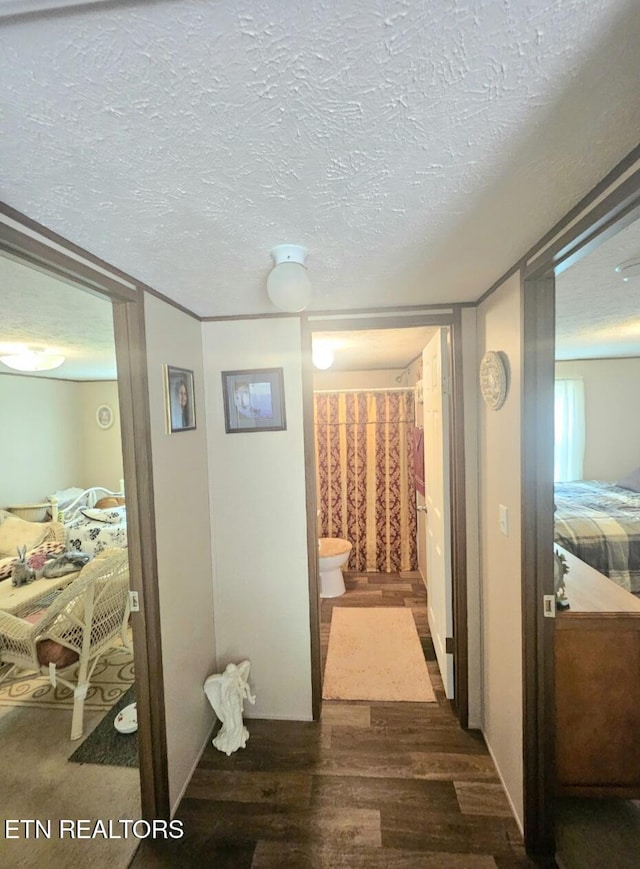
{"x": 179, "y": 399}
{"x": 254, "y": 400}
{"x": 104, "y": 416}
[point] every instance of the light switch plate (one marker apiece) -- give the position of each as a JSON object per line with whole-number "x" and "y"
{"x": 503, "y": 520}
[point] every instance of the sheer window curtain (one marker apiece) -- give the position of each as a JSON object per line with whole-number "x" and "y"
{"x": 569, "y": 430}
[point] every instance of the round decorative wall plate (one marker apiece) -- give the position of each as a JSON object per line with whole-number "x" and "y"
{"x": 493, "y": 380}
{"x": 104, "y": 416}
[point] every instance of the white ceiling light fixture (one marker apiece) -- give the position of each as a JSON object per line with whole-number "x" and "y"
{"x": 32, "y": 359}
{"x": 322, "y": 356}
{"x": 629, "y": 270}
{"x": 288, "y": 285}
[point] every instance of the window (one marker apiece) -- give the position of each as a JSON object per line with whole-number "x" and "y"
{"x": 569, "y": 430}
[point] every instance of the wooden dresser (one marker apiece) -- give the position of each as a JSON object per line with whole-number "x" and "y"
{"x": 597, "y": 687}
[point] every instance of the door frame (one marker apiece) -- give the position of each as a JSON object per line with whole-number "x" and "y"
{"x": 394, "y": 318}
{"x": 23, "y": 237}
{"x": 573, "y": 239}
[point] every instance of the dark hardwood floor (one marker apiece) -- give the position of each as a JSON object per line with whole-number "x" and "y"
{"x": 370, "y": 786}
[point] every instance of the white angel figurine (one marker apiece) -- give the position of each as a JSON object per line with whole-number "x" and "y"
{"x": 226, "y": 692}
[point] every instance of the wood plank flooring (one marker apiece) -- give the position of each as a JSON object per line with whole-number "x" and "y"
{"x": 370, "y": 786}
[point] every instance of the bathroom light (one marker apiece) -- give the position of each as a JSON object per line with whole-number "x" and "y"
{"x": 288, "y": 285}
{"x": 322, "y": 356}
{"x": 31, "y": 359}
{"x": 629, "y": 270}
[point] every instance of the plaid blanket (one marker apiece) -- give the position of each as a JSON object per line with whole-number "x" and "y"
{"x": 600, "y": 524}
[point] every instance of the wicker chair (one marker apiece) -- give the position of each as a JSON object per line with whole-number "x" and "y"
{"x": 76, "y": 629}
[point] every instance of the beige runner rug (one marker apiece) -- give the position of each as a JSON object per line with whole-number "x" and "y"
{"x": 375, "y": 654}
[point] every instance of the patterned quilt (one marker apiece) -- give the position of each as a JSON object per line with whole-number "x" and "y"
{"x": 90, "y": 534}
{"x": 600, "y": 524}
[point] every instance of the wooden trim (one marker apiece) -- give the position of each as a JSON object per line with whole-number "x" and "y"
{"x": 34, "y": 251}
{"x": 312, "y": 520}
{"x": 91, "y": 259}
{"x": 459, "y": 528}
{"x": 458, "y": 502}
{"x": 538, "y": 330}
{"x": 603, "y": 221}
{"x": 135, "y": 421}
{"x": 601, "y": 187}
{"x": 538, "y": 337}
{"x": 128, "y": 315}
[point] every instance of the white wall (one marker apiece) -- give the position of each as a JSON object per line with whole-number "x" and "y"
{"x": 102, "y": 465}
{"x": 612, "y": 415}
{"x": 384, "y": 378}
{"x": 499, "y": 328}
{"x": 41, "y": 438}
{"x": 185, "y": 580}
{"x": 257, "y": 483}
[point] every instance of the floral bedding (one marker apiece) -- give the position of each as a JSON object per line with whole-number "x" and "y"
{"x": 94, "y": 530}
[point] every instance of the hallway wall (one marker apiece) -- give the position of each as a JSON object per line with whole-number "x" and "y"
{"x": 499, "y": 328}
{"x": 258, "y": 517}
{"x": 183, "y": 540}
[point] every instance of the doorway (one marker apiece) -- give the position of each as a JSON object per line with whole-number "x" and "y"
{"x": 340, "y": 326}
{"x": 25, "y": 240}
{"x": 611, "y": 215}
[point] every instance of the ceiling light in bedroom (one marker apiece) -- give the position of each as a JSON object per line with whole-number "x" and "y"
{"x": 32, "y": 359}
{"x": 629, "y": 270}
{"x": 288, "y": 285}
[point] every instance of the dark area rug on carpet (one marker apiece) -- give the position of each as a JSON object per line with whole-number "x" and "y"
{"x": 105, "y": 745}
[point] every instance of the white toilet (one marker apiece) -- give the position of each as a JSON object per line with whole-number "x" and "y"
{"x": 333, "y": 552}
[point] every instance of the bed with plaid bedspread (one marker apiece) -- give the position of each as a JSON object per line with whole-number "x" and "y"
{"x": 600, "y": 524}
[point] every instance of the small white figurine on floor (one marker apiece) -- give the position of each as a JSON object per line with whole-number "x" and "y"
{"x": 226, "y": 692}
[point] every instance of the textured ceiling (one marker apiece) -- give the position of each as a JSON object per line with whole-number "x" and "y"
{"x": 417, "y": 149}
{"x": 40, "y": 310}
{"x": 597, "y": 313}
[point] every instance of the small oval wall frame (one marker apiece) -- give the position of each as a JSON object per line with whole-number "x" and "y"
{"x": 104, "y": 416}
{"x": 493, "y": 379}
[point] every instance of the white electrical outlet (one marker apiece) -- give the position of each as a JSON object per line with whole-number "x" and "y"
{"x": 503, "y": 520}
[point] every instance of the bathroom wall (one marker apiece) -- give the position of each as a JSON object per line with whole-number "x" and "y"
{"x": 376, "y": 379}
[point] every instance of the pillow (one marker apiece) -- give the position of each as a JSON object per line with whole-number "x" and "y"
{"x": 632, "y": 481}
{"x": 16, "y": 532}
{"x": 101, "y": 515}
{"x": 107, "y": 503}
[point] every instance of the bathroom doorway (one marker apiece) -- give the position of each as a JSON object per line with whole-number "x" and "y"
{"x": 367, "y": 382}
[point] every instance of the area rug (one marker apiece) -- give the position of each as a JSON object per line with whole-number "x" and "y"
{"x": 111, "y": 678}
{"x": 375, "y": 654}
{"x": 105, "y": 745}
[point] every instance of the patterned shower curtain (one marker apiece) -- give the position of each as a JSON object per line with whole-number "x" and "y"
{"x": 365, "y": 478}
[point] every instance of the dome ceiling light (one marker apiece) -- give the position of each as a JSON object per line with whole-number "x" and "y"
{"x": 288, "y": 285}
{"x": 32, "y": 359}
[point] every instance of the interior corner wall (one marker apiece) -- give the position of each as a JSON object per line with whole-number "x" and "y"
{"x": 258, "y": 510}
{"x": 185, "y": 579}
{"x": 102, "y": 446}
{"x": 499, "y": 327}
{"x": 40, "y": 438}
{"x": 612, "y": 415}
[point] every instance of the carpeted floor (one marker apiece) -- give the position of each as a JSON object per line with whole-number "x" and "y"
{"x": 375, "y": 654}
{"x": 105, "y": 745}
